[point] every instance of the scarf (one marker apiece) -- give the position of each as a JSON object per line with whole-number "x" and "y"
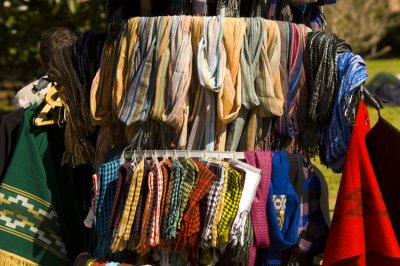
{"x": 78, "y": 148}
{"x": 29, "y": 220}
{"x": 138, "y": 99}
{"x": 258, "y": 211}
{"x": 179, "y": 76}
{"x": 252, "y": 180}
{"x": 249, "y": 59}
{"x": 155, "y": 225}
{"x": 167, "y": 170}
{"x": 360, "y": 210}
{"x": 177, "y": 182}
{"x": 212, "y": 202}
{"x": 162, "y": 58}
{"x": 201, "y": 7}
{"x": 268, "y": 81}
{"x": 228, "y": 8}
{"x": 283, "y": 210}
{"x": 320, "y": 57}
{"x": 107, "y": 182}
{"x": 179, "y": 7}
{"x": 229, "y": 97}
{"x": 335, "y": 136}
{"x": 123, "y": 231}
{"x": 188, "y": 236}
{"x": 211, "y": 59}
{"x": 231, "y": 204}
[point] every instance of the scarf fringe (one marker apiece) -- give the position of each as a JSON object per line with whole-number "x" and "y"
{"x": 10, "y": 259}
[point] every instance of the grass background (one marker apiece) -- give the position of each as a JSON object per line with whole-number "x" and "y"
{"x": 391, "y": 114}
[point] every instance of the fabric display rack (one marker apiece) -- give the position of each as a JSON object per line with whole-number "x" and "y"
{"x": 183, "y": 135}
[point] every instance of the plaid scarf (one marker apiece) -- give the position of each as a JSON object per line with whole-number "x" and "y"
{"x": 167, "y": 171}
{"x": 155, "y": 227}
{"x": 107, "y": 183}
{"x": 231, "y": 204}
{"x": 190, "y": 227}
{"x": 123, "y": 230}
{"x": 173, "y": 216}
{"x": 212, "y": 202}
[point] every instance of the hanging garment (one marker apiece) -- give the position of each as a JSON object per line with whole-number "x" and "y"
{"x": 252, "y": 180}
{"x": 249, "y": 59}
{"x": 107, "y": 184}
{"x": 228, "y": 8}
{"x": 138, "y": 98}
{"x": 268, "y": 82}
{"x": 335, "y": 136}
{"x": 211, "y": 60}
{"x": 30, "y": 226}
{"x": 258, "y": 212}
{"x": 382, "y": 140}
{"x": 167, "y": 171}
{"x": 283, "y": 210}
{"x": 179, "y": 77}
{"x": 361, "y": 231}
{"x": 188, "y": 236}
{"x": 202, "y": 7}
{"x": 229, "y": 97}
{"x": 32, "y": 93}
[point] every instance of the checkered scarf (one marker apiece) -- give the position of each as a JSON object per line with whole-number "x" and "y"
{"x": 177, "y": 180}
{"x": 107, "y": 183}
{"x": 231, "y": 204}
{"x": 212, "y": 201}
{"x": 191, "y": 219}
{"x": 167, "y": 171}
{"x": 155, "y": 226}
{"x": 190, "y": 174}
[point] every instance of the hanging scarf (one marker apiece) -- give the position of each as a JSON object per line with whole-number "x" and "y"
{"x": 268, "y": 81}
{"x": 201, "y": 7}
{"x": 258, "y": 211}
{"x": 107, "y": 182}
{"x": 252, "y": 180}
{"x": 162, "y": 58}
{"x": 335, "y": 136}
{"x": 177, "y": 170}
{"x": 190, "y": 227}
{"x": 179, "y": 7}
{"x": 320, "y": 58}
{"x": 211, "y": 58}
{"x": 229, "y": 97}
{"x": 361, "y": 231}
{"x": 167, "y": 171}
{"x": 123, "y": 231}
{"x": 212, "y": 202}
{"x": 283, "y": 210}
{"x": 180, "y": 72}
{"x": 249, "y": 59}
{"x": 138, "y": 98}
{"x": 231, "y": 204}
{"x": 155, "y": 225}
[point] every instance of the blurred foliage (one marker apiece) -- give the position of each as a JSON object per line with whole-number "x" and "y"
{"x": 22, "y": 22}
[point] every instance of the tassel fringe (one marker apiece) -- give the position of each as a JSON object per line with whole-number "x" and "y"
{"x": 10, "y": 259}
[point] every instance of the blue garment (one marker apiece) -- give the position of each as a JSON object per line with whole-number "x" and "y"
{"x": 285, "y": 238}
{"x": 335, "y": 136}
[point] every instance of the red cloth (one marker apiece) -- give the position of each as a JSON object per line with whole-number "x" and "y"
{"x": 361, "y": 232}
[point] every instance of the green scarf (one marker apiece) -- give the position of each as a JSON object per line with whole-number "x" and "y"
{"x": 30, "y": 229}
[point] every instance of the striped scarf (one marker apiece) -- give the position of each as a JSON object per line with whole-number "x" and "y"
{"x": 190, "y": 227}
{"x": 229, "y": 97}
{"x": 162, "y": 58}
{"x": 268, "y": 82}
{"x": 138, "y": 98}
{"x": 180, "y": 72}
{"x": 231, "y": 204}
{"x": 249, "y": 60}
{"x": 210, "y": 66}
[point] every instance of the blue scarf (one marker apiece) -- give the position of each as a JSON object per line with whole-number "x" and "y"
{"x": 335, "y": 136}
{"x": 282, "y": 236}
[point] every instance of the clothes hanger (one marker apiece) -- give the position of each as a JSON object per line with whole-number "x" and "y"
{"x": 52, "y": 101}
{"x": 372, "y": 99}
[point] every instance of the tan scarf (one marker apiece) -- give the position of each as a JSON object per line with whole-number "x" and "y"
{"x": 268, "y": 82}
{"x": 229, "y": 97}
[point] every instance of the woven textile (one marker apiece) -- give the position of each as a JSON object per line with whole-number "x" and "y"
{"x": 167, "y": 170}
{"x": 212, "y": 201}
{"x": 123, "y": 231}
{"x": 231, "y": 204}
{"x": 188, "y": 236}
{"x": 138, "y": 98}
{"x": 155, "y": 230}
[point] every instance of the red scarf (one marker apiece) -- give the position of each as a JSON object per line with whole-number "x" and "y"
{"x": 361, "y": 232}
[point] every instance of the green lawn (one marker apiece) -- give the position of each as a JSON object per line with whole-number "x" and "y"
{"x": 374, "y": 66}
